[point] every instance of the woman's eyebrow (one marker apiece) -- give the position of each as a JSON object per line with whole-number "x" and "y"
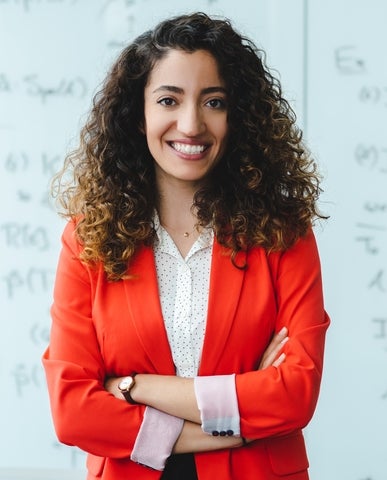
{"x": 169, "y": 88}
{"x": 205, "y": 91}
{"x": 217, "y": 89}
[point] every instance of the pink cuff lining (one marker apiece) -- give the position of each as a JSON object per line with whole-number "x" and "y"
{"x": 155, "y": 440}
{"x": 218, "y": 404}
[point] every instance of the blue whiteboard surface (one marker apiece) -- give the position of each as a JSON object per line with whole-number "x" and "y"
{"x": 331, "y": 61}
{"x": 347, "y": 126}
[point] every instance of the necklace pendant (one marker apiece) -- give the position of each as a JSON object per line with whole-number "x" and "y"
{"x": 185, "y": 234}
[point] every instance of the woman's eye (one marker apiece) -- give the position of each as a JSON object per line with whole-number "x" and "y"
{"x": 167, "y": 101}
{"x": 217, "y": 103}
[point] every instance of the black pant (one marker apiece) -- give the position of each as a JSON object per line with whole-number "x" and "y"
{"x": 180, "y": 467}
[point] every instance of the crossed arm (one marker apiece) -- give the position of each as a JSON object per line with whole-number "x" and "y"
{"x": 176, "y": 396}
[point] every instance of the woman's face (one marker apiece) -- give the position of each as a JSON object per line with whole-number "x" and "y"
{"x": 185, "y": 114}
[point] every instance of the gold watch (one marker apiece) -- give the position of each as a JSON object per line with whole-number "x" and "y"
{"x": 125, "y": 386}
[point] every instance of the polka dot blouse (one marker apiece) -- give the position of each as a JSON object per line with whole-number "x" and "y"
{"x": 184, "y": 289}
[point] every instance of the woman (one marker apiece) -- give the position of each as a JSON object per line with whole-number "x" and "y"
{"x": 188, "y": 321}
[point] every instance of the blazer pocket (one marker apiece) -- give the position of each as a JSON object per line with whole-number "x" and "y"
{"x": 287, "y": 454}
{"x": 95, "y": 465}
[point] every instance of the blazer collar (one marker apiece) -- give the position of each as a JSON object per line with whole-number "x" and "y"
{"x": 145, "y": 310}
{"x": 225, "y": 286}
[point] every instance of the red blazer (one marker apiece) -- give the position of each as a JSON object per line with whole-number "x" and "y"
{"x": 105, "y": 329}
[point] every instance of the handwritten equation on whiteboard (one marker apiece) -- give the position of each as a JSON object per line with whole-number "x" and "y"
{"x": 34, "y": 85}
{"x": 370, "y": 162}
{"x": 28, "y": 269}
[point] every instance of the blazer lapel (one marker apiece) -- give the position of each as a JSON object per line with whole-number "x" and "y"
{"x": 143, "y": 300}
{"x": 225, "y": 287}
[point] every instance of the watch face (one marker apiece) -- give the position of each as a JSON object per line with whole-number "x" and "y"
{"x": 125, "y": 384}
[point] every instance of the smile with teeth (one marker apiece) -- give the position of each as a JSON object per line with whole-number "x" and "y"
{"x": 187, "y": 148}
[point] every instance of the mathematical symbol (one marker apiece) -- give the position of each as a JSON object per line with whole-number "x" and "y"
{"x": 370, "y": 248}
{"x": 378, "y": 282}
{"x": 347, "y": 61}
{"x": 371, "y": 226}
{"x": 383, "y": 327}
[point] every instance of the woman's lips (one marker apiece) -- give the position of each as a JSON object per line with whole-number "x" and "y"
{"x": 188, "y": 148}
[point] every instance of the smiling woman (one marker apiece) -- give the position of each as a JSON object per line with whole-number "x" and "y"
{"x": 188, "y": 323}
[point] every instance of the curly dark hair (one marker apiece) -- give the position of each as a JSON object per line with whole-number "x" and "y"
{"x": 264, "y": 190}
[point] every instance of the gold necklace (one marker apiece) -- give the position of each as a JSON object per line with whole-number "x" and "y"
{"x": 186, "y": 234}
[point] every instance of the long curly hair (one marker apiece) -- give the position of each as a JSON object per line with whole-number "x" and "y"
{"x": 263, "y": 192}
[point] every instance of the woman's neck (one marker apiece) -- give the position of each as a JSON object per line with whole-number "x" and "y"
{"x": 178, "y": 217}
{"x": 177, "y": 214}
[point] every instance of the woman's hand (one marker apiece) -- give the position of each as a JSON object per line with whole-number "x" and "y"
{"x": 271, "y": 357}
{"x": 111, "y": 385}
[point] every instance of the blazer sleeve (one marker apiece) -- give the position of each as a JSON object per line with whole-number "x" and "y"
{"x": 84, "y": 413}
{"x": 276, "y": 401}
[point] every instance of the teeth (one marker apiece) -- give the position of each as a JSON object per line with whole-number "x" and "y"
{"x": 188, "y": 149}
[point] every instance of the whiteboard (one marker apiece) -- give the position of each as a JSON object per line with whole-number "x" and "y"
{"x": 331, "y": 59}
{"x": 347, "y": 120}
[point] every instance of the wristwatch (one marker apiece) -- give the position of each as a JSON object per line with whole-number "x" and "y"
{"x": 125, "y": 386}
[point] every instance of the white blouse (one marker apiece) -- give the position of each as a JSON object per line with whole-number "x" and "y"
{"x": 184, "y": 288}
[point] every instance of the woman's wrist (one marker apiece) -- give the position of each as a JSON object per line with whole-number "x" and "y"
{"x": 135, "y": 389}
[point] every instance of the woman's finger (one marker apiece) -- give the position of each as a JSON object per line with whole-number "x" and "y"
{"x": 276, "y": 344}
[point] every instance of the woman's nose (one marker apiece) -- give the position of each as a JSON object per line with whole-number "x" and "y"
{"x": 191, "y": 122}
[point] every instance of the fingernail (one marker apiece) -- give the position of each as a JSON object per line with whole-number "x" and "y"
{"x": 280, "y": 360}
{"x": 282, "y": 331}
{"x": 284, "y": 340}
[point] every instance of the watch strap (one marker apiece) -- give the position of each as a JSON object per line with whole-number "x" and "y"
{"x": 126, "y": 393}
